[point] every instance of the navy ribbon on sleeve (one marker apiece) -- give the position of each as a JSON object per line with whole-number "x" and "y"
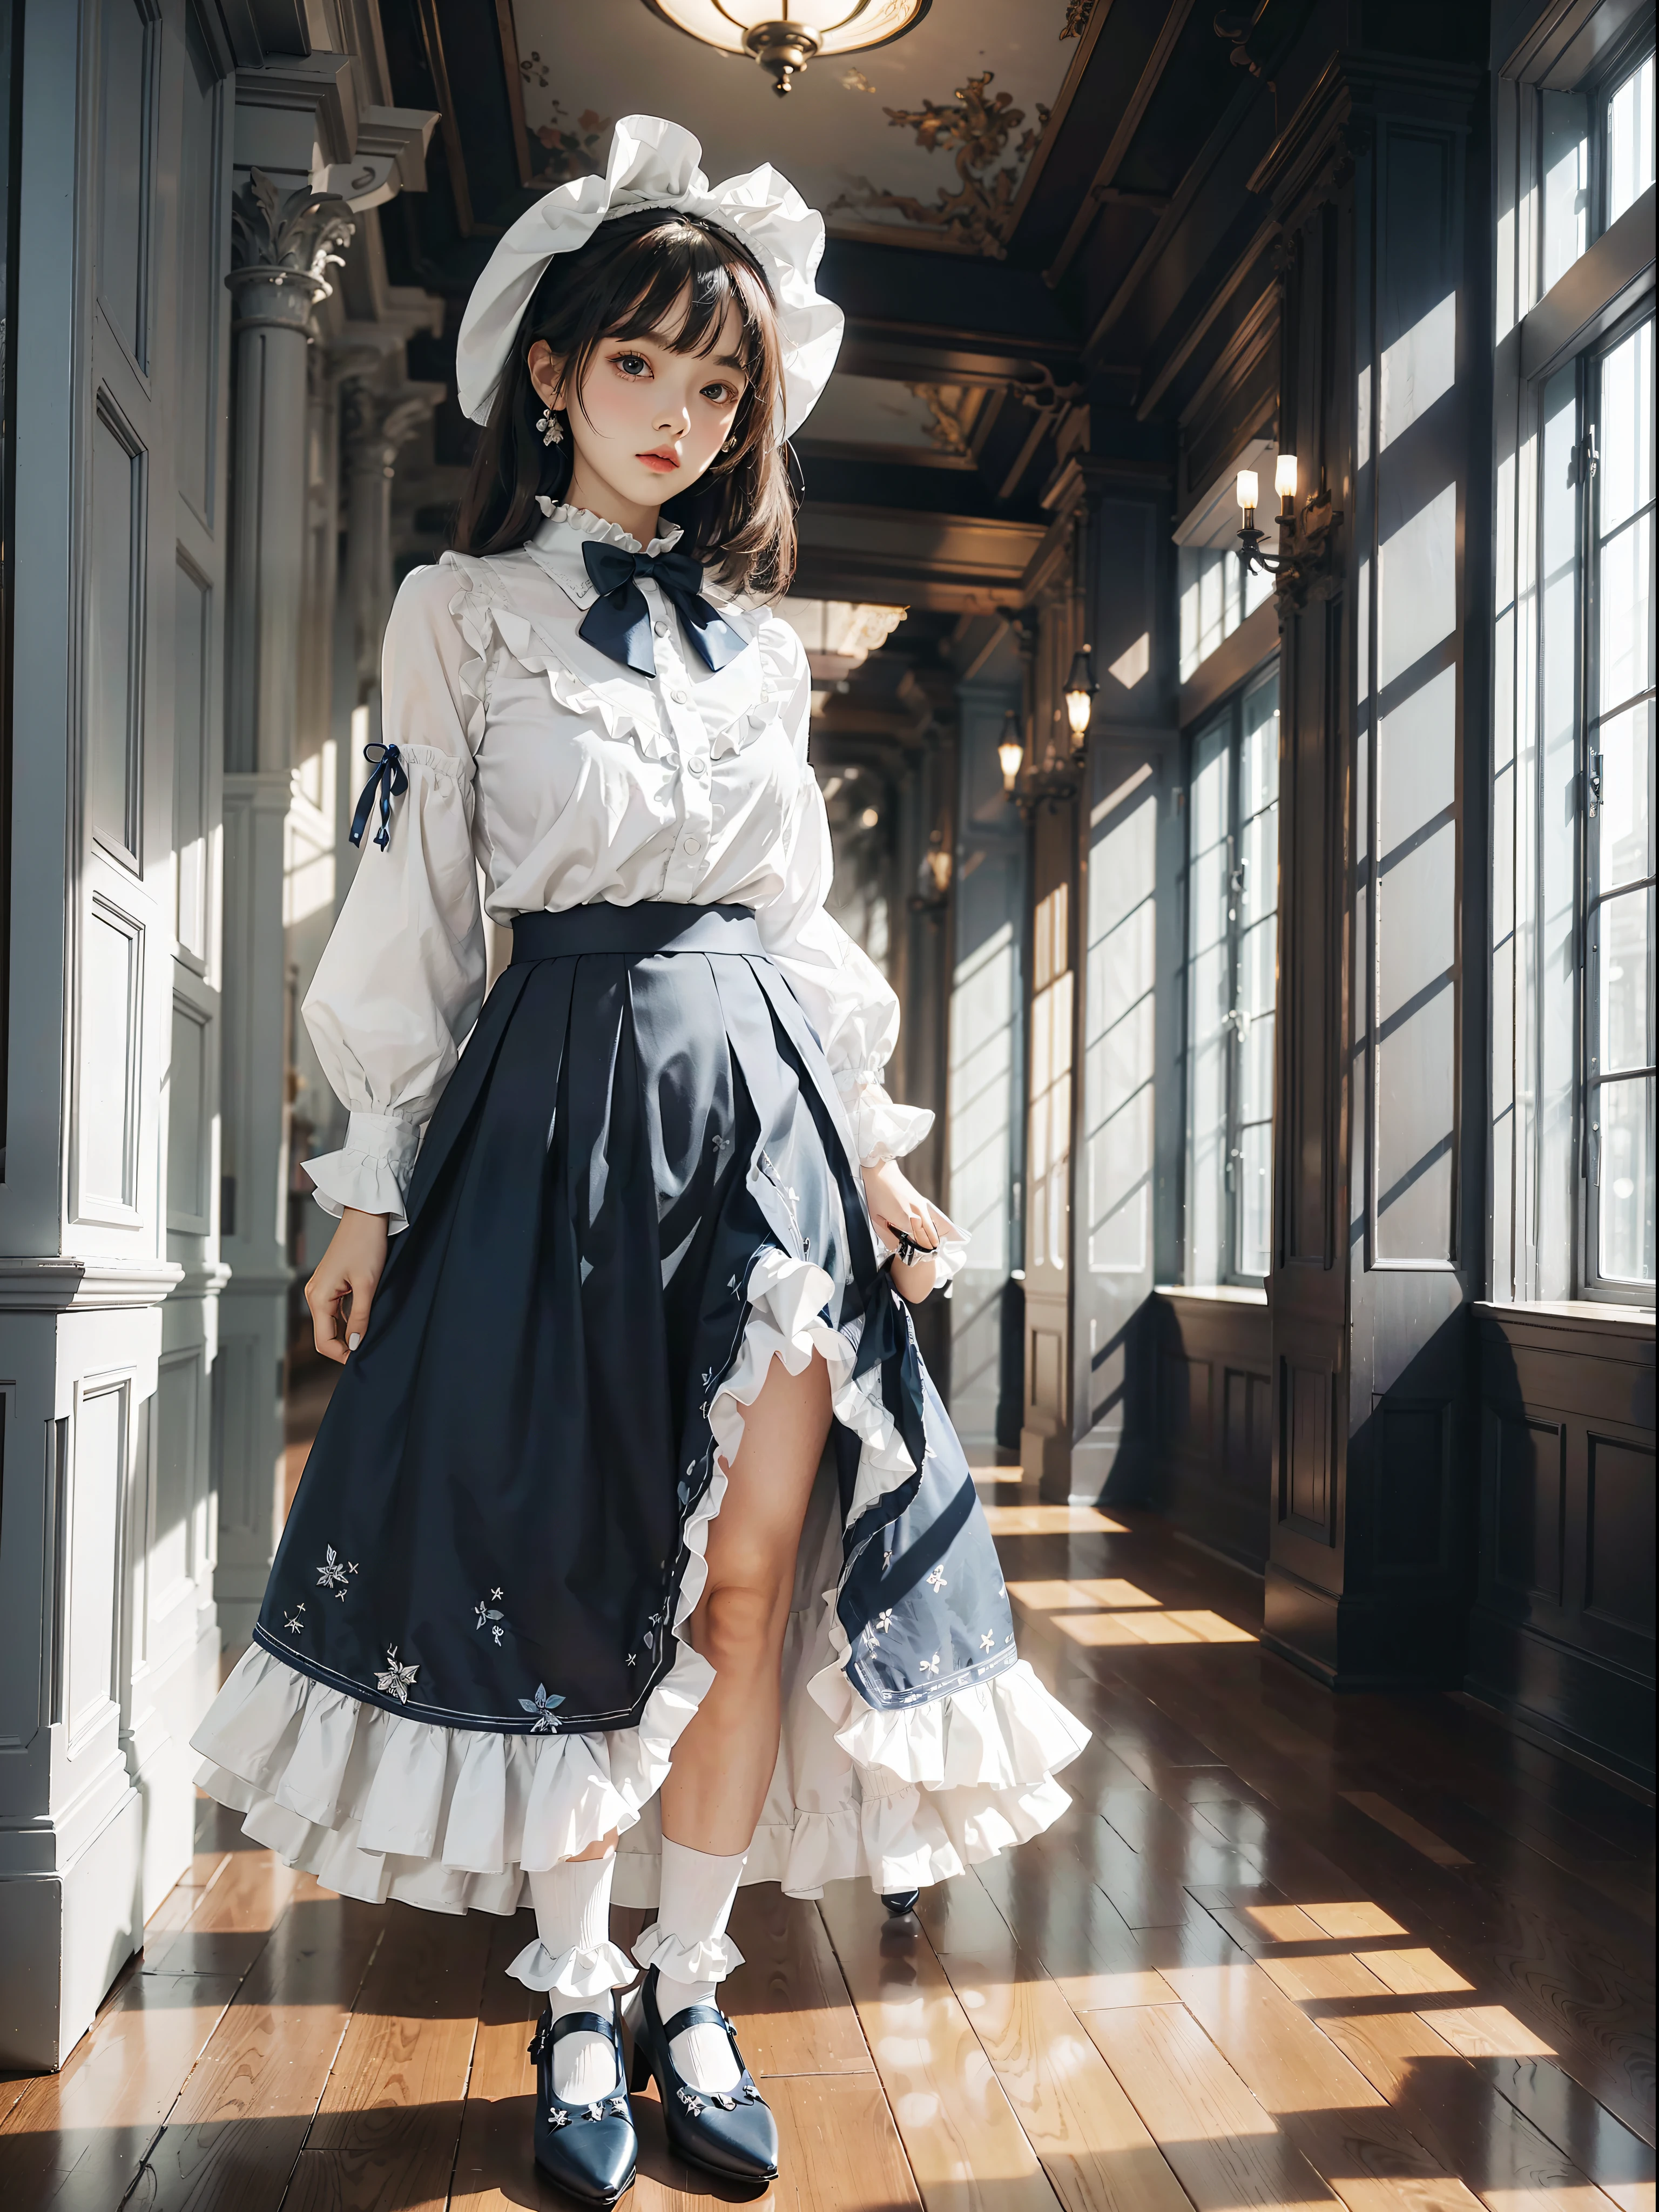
{"x": 387, "y": 777}
{"x": 618, "y": 623}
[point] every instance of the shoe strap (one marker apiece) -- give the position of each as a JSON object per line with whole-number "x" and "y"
{"x": 695, "y": 2015}
{"x": 580, "y": 2023}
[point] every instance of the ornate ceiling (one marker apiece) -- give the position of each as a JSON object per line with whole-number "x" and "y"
{"x": 1031, "y": 206}
{"x": 926, "y": 137}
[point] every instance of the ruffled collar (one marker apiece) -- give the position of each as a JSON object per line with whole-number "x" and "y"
{"x": 561, "y": 519}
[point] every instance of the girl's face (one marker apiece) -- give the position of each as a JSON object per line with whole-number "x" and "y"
{"x": 647, "y": 421}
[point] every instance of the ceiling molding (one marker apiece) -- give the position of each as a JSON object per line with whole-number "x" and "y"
{"x": 1059, "y": 114}
{"x": 1117, "y": 147}
{"x": 883, "y": 233}
{"x": 954, "y": 562}
{"x": 1218, "y": 299}
{"x": 875, "y": 455}
{"x": 1235, "y": 118}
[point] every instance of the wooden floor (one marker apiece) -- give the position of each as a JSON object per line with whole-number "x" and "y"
{"x": 1284, "y": 1950}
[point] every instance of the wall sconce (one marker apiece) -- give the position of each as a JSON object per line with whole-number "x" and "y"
{"x": 1302, "y": 563}
{"x": 1081, "y": 690}
{"x": 933, "y": 892}
{"x": 1011, "y": 751}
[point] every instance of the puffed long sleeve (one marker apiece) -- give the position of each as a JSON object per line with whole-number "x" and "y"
{"x": 847, "y": 999}
{"x": 400, "y": 985}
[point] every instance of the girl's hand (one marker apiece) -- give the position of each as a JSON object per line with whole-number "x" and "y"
{"x": 347, "y": 1274}
{"x": 898, "y": 1208}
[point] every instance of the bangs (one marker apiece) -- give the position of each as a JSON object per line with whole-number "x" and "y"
{"x": 653, "y": 273}
{"x": 682, "y": 274}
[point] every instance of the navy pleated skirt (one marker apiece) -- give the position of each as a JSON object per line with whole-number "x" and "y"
{"x": 489, "y": 1533}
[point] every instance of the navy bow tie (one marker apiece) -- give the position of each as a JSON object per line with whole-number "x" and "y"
{"x": 619, "y": 623}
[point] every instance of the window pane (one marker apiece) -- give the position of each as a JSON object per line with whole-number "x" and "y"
{"x": 1209, "y": 985}
{"x": 1627, "y": 595}
{"x": 1567, "y": 181}
{"x": 1630, "y": 139}
{"x": 1258, "y": 813}
{"x": 1624, "y": 820}
{"x": 1255, "y": 1191}
{"x": 1624, "y": 480}
{"x": 1625, "y": 935}
{"x": 1626, "y": 1222}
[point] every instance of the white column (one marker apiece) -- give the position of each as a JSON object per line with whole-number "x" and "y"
{"x": 283, "y": 245}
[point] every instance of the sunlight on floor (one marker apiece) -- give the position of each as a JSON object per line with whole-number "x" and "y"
{"x": 1121, "y": 1612}
{"x": 1048, "y": 1520}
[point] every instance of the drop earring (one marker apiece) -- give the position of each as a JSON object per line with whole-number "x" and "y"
{"x": 552, "y": 429}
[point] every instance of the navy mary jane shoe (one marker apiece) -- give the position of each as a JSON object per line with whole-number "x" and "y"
{"x": 728, "y": 2131}
{"x": 589, "y": 2149}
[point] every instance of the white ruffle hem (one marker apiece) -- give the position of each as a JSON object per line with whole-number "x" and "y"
{"x": 378, "y": 1805}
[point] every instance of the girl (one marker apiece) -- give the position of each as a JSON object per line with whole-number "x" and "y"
{"x": 636, "y": 1554}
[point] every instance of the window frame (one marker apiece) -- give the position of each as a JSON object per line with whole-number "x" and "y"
{"x": 1590, "y": 714}
{"x": 1230, "y": 712}
{"x": 1595, "y": 90}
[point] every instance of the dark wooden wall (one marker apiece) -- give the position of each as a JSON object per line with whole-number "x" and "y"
{"x": 1562, "y": 1630}
{"x": 1215, "y": 1418}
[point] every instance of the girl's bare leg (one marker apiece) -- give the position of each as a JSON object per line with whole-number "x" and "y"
{"x": 723, "y": 1762}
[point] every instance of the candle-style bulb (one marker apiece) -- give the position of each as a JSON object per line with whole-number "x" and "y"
{"x": 1248, "y": 488}
{"x": 1011, "y": 751}
{"x": 1285, "y": 476}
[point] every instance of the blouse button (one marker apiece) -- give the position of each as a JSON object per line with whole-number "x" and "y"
{"x": 660, "y": 627}
{"x": 698, "y": 766}
{"x": 692, "y": 844}
{"x": 678, "y": 698}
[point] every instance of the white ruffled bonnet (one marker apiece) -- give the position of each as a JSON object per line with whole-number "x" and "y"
{"x": 653, "y": 163}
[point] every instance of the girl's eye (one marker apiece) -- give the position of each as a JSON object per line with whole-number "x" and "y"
{"x": 720, "y": 395}
{"x": 633, "y": 364}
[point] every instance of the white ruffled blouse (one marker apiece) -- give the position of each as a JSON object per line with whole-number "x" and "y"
{"x": 568, "y": 779}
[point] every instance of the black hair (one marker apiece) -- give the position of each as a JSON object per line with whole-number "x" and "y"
{"x": 645, "y": 275}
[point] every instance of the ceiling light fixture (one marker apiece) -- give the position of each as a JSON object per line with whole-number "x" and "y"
{"x": 784, "y": 39}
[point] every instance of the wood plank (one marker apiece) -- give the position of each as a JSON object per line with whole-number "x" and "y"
{"x": 1227, "y": 2153}
{"x": 1400, "y": 1823}
{"x": 1549, "y": 1968}
{"x": 1073, "y": 1929}
{"x": 75, "y": 2140}
{"x": 967, "y": 2150}
{"x": 1451, "y": 2108}
{"x": 787, "y": 2000}
{"x": 838, "y": 2150}
{"x": 1342, "y": 2126}
{"x": 1618, "y": 2161}
{"x": 386, "y": 2133}
{"x": 1094, "y": 2147}
{"x": 232, "y": 2139}
{"x": 231, "y": 1920}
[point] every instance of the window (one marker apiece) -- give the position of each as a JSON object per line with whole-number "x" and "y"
{"x": 1232, "y": 963}
{"x": 1595, "y": 160}
{"x": 1617, "y": 771}
{"x": 1214, "y": 598}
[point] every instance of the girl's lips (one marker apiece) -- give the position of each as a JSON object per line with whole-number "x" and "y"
{"x": 661, "y": 462}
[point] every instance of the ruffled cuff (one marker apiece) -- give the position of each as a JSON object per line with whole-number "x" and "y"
{"x": 585, "y": 1972}
{"x": 710, "y": 1960}
{"x": 371, "y": 1169}
{"x": 949, "y": 1253}
{"x": 881, "y": 1129}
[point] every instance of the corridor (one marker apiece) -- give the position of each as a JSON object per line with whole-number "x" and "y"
{"x": 1172, "y": 773}
{"x": 1283, "y": 1952}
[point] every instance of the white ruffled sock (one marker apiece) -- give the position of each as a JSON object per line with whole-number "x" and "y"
{"x": 573, "y": 1913}
{"x": 698, "y": 1888}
